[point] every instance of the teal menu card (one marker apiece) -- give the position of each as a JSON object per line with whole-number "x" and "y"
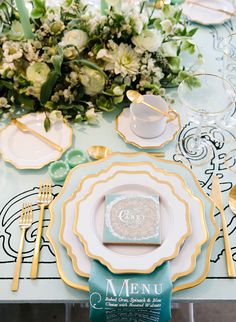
{"x": 130, "y": 297}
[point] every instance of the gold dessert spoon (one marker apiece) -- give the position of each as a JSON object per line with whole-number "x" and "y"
{"x": 232, "y": 199}
{"x": 98, "y": 152}
{"x": 137, "y": 98}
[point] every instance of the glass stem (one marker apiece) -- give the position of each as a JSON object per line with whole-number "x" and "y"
{"x": 197, "y": 134}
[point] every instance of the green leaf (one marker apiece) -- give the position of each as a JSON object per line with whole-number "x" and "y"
{"x": 188, "y": 46}
{"x": 47, "y": 123}
{"x": 37, "y": 13}
{"x": 47, "y": 87}
{"x": 192, "y": 32}
{"x": 174, "y": 63}
{"x": 26, "y": 102}
{"x": 57, "y": 62}
{"x": 8, "y": 85}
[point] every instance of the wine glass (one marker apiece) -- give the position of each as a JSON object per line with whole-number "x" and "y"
{"x": 207, "y": 98}
{"x": 229, "y": 73}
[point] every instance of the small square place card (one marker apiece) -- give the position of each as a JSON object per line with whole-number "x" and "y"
{"x": 132, "y": 219}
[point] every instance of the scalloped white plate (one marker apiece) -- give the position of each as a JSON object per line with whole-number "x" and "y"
{"x": 207, "y": 16}
{"x": 25, "y": 151}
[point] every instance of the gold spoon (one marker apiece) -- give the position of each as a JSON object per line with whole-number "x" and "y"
{"x": 98, "y": 152}
{"x": 232, "y": 199}
{"x": 136, "y": 97}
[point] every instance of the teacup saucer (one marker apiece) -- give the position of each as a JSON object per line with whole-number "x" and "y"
{"x": 124, "y": 130}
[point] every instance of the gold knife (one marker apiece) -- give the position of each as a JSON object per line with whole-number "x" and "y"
{"x": 25, "y": 128}
{"x": 216, "y": 196}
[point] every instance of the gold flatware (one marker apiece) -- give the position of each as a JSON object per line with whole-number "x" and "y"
{"x": 216, "y": 196}
{"x": 210, "y": 7}
{"x": 136, "y": 97}
{"x": 98, "y": 152}
{"x": 24, "y": 128}
{"x": 44, "y": 199}
{"x": 25, "y": 222}
{"x": 232, "y": 199}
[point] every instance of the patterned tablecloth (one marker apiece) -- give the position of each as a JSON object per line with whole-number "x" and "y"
{"x": 15, "y": 186}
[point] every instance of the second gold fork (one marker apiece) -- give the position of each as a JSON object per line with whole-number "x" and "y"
{"x": 44, "y": 199}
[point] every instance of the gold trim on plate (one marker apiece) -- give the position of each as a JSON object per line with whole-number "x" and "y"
{"x": 200, "y": 279}
{"x": 44, "y": 164}
{"x": 122, "y": 135}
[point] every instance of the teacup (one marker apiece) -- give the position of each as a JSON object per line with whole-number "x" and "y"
{"x": 145, "y": 122}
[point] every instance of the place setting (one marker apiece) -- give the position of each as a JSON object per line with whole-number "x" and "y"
{"x": 116, "y": 155}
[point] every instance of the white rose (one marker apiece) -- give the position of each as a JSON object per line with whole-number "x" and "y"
{"x": 92, "y": 80}
{"x": 75, "y": 37}
{"x": 149, "y": 39}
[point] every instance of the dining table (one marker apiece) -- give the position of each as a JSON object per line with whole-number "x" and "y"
{"x": 19, "y": 185}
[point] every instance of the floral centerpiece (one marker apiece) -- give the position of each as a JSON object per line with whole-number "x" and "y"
{"x": 79, "y": 62}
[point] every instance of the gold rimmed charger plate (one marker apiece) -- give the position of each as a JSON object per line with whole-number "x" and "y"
{"x": 182, "y": 265}
{"x": 64, "y": 263}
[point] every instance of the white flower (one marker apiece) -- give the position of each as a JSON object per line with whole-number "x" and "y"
{"x": 7, "y": 68}
{"x": 11, "y": 51}
{"x": 149, "y": 39}
{"x": 4, "y": 102}
{"x": 139, "y": 21}
{"x": 169, "y": 49}
{"x": 92, "y": 80}
{"x": 75, "y": 37}
{"x": 123, "y": 60}
{"x": 37, "y": 73}
{"x": 91, "y": 116}
{"x": 56, "y": 116}
{"x": 167, "y": 26}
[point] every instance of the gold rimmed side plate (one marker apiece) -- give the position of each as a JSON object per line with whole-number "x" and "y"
{"x": 34, "y": 153}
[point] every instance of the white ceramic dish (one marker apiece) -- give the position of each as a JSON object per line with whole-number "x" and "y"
{"x": 64, "y": 264}
{"x": 181, "y": 265}
{"x": 124, "y": 130}
{"x": 206, "y": 16}
{"x": 25, "y": 151}
{"x": 89, "y": 218}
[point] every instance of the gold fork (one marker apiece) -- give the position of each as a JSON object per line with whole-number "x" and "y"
{"x": 25, "y": 222}
{"x": 44, "y": 199}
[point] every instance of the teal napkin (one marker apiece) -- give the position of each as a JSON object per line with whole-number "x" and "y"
{"x": 130, "y": 297}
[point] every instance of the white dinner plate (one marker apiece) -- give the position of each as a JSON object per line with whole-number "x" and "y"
{"x": 199, "y": 12}
{"x": 181, "y": 265}
{"x": 124, "y": 130}
{"x": 89, "y": 218}
{"x": 26, "y": 151}
{"x": 64, "y": 263}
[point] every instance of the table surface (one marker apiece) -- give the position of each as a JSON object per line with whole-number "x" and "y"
{"x": 14, "y": 184}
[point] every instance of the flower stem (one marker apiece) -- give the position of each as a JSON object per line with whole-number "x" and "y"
{"x": 24, "y": 19}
